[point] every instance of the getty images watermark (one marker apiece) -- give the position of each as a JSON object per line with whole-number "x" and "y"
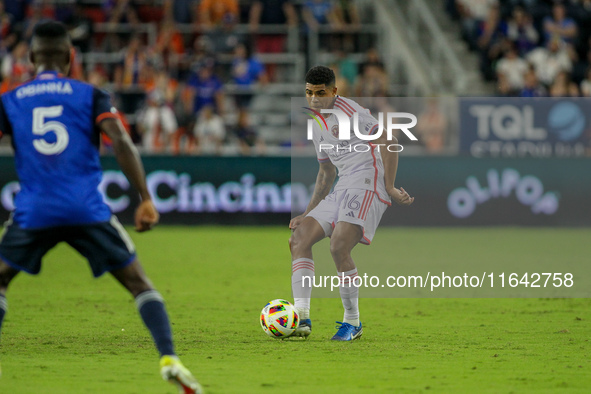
{"x": 342, "y": 131}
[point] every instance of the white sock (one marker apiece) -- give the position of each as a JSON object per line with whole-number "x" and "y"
{"x": 349, "y": 296}
{"x": 302, "y": 289}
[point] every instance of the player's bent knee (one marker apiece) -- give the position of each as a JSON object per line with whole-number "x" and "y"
{"x": 138, "y": 283}
{"x": 133, "y": 278}
{"x": 339, "y": 249}
{"x": 138, "y": 287}
{"x": 298, "y": 243}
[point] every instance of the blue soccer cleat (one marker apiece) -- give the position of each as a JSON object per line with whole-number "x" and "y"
{"x": 304, "y": 329}
{"x": 347, "y": 332}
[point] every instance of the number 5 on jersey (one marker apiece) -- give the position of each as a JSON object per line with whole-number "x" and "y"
{"x": 41, "y": 127}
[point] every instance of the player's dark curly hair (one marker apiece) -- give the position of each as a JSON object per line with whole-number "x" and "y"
{"x": 50, "y": 30}
{"x": 320, "y": 75}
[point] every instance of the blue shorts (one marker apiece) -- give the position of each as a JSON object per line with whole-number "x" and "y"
{"x": 106, "y": 246}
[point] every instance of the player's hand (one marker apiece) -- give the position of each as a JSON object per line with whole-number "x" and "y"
{"x": 295, "y": 222}
{"x": 400, "y": 196}
{"x": 146, "y": 216}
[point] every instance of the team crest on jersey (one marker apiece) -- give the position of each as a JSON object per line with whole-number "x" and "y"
{"x": 335, "y": 131}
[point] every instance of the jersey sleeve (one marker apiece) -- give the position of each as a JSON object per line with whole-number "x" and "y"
{"x": 102, "y": 107}
{"x": 368, "y": 125}
{"x": 5, "y": 127}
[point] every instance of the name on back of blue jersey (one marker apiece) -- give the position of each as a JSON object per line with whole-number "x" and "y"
{"x": 53, "y": 87}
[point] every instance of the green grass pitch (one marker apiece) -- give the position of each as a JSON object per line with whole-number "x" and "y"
{"x": 68, "y": 333}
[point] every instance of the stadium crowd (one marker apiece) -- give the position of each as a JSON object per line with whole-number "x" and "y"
{"x": 174, "y": 94}
{"x": 531, "y": 48}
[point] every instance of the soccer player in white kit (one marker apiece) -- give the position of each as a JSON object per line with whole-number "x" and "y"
{"x": 352, "y": 212}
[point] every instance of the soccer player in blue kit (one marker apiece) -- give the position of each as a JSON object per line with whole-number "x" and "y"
{"x": 55, "y": 125}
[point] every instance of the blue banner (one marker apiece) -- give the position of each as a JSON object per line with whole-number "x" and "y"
{"x": 525, "y": 127}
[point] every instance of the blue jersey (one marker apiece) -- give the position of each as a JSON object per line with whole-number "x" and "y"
{"x": 52, "y": 121}
{"x": 206, "y": 91}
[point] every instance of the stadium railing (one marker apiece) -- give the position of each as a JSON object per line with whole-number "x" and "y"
{"x": 445, "y": 70}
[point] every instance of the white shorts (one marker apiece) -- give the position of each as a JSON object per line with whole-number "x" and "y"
{"x": 356, "y": 206}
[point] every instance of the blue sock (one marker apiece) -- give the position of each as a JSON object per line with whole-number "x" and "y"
{"x": 151, "y": 307}
{"x": 3, "y": 309}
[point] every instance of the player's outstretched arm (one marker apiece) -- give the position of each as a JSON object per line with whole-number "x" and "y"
{"x": 129, "y": 160}
{"x": 327, "y": 173}
{"x": 390, "y": 160}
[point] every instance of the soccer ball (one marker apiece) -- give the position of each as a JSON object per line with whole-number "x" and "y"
{"x": 279, "y": 319}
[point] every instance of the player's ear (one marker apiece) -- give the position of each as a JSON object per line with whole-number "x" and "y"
{"x": 334, "y": 90}
{"x": 69, "y": 60}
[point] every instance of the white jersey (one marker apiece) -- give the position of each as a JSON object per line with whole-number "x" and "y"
{"x": 358, "y": 162}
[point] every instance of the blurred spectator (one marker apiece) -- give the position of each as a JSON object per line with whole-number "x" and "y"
{"x": 182, "y": 10}
{"x": 246, "y": 71}
{"x": 580, "y": 10}
{"x": 212, "y": 12}
{"x": 472, "y": 14}
{"x": 39, "y": 11}
{"x": 199, "y": 55}
{"x": 521, "y": 31}
{"x": 99, "y": 79}
{"x": 80, "y": 28}
{"x": 157, "y": 122}
{"x": 16, "y": 68}
{"x": 563, "y": 86}
{"x": 271, "y": 12}
{"x": 206, "y": 90}
{"x": 432, "y": 126}
{"x": 372, "y": 58}
{"x": 513, "y": 68}
{"x": 76, "y": 67}
{"x": 15, "y": 8}
{"x": 319, "y": 12}
{"x": 548, "y": 62}
{"x": 7, "y": 35}
{"x": 63, "y": 10}
{"x": 559, "y": 25}
{"x": 586, "y": 84}
{"x": 153, "y": 11}
{"x": 121, "y": 11}
{"x": 202, "y": 54}
{"x": 580, "y": 66}
{"x": 531, "y": 85}
{"x": 348, "y": 19}
{"x": 344, "y": 88}
{"x": 491, "y": 29}
{"x": 17, "y": 60}
{"x": 224, "y": 37}
{"x": 186, "y": 121}
{"x": 504, "y": 88}
{"x": 373, "y": 82}
{"x": 131, "y": 72}
{"x": 346, "y": 13}
{"x": 490, "y": 57}
{"x": 491, "y": 41}
{"x": 169, "y": 43}
{"x": 347, "y": 67}
{"x": 209, "y": 131}
{"x": 247, "y": 136}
